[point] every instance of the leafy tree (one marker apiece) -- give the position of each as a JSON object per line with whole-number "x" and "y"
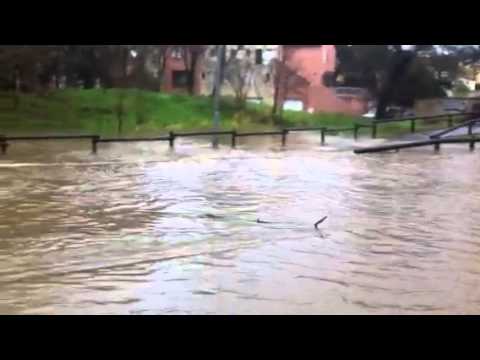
{"x": 391, "y": 73}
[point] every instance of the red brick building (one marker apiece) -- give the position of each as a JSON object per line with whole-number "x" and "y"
{"x": 176, "y": 73}
{"x": 302, "y": 81}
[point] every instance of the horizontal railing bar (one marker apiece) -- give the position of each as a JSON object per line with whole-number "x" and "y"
{"x": 367, "y": 126}
{"x": 447, "y": 131}
{"x": 134, "y": 140}
{"x": 420, "y": 118}
{"x": 305, "y": 129}
{"x": 49, "y": 137}
{"x": 391, "y": 147}
{"x": 205, "y": 133}
{"x": 339, "y": 130}
{"x": 260, "y": 133}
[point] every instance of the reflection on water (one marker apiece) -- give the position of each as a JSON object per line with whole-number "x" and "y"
{"x": 138, "y": 229}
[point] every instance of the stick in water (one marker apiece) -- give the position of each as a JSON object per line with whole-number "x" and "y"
{"x": 320, "y": 222}
{"x": 262, "y": 222}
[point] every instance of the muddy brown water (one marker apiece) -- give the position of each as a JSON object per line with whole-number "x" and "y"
{"x": 138, "y": 229}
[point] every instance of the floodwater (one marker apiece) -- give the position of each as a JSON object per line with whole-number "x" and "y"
{"x": 138, "y": 229}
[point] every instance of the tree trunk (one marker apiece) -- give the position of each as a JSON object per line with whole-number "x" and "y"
{"x": 17, "y": 79}
{"x": 222, "y": 69}
{"x": 120, "y": 113}
{"x": 161, "y": 67}
{"x": 125, "y": 55}
{"x": 276, "y": 92}
{"x": 140, "y": 74}
{"x": 192, "y": 72}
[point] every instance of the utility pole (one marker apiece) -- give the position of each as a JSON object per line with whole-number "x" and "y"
{"x": 216, "y": 100}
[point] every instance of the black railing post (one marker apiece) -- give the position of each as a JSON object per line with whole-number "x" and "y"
{"x": 355, "y": 132}
{"x": 437, "y": 147}
{"x": 374, "y": 131}
{"x": 472, "y": 145}
{"x": 95, "y": 140}
{"x": 171, "y": 140}
{"x": 284, "y": 137}
{"x": 323, "y": 136}
{"x": 412, "y": 126}
{"x": 3, "y": 145}
{"x": 470, "y": 128}
{"x": 234, "y": 139}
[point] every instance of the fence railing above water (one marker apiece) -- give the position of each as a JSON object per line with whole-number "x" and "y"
{"x": 448, "y": 118}
{"x": 172, "y": 136}
{"x": 436, "y": 143}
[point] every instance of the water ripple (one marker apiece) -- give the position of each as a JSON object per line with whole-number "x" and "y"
{"x": 140, "y": 229}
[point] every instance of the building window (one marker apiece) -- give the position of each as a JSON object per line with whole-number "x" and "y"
{"x": 259, "y": 57}
{"x": 176, "y": 53}
{"x": 180, "y": 79}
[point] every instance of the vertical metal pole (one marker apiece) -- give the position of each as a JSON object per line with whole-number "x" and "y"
{"x": 412, "y": 126}
{"x": 472, "y": 145}
{"x": 234, "y": 139}
{"x": 323, "y": 136}
{"x": 284, "y": 137}
{"x": 171, "y": 140}
{"x": 355, "y": 132}
{"x": 3, "y": 145}
{"x": 374, "y": 131}
{"x": 216, "y": 100}
{"x": 95, "y": 143}
{"x": 437, "y": 147}
{"x": 470, "y": 128}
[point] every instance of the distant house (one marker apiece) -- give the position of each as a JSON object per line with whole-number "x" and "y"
{"x": 472, "y": 71}
{"x": 177, "y": 71}
{"x": 312, "y": 63}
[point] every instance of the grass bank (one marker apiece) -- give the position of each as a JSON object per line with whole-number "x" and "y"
{"x": 140, "y": 113}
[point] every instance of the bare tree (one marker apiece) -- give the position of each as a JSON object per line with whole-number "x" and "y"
{"x": 287, "y": 80}
{"x": 240, "y": 75}
{"x": 221, "y": 51}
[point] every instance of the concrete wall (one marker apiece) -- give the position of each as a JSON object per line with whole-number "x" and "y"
{"x": 432, "y": 107}
{"x": 324, "y": 99}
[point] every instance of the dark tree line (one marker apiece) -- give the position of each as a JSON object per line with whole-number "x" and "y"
{"x": 398, "y": 76}
{"x": 32, "y": 68}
